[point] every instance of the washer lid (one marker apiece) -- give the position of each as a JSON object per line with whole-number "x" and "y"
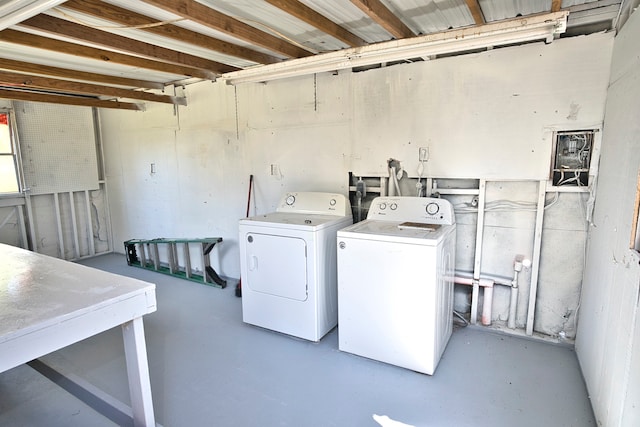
{"x": 295, "y": 220}
{"x": 401, "y": 231}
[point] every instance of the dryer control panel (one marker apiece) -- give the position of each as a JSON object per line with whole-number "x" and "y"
{"x": 309, "y": 202}
{"x": 424, "y": 210}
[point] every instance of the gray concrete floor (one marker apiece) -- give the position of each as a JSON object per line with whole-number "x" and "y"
{"x": 210, "y": 369}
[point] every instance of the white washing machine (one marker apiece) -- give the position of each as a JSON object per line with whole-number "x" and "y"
{"x": 288, "y": 264}
{"x": 395, "y": 282}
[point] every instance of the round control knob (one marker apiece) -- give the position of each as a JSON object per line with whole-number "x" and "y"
{"x": 383, "y": 206}
{"x": 393, "y": 206}
{"x": 332, "y": 202}
{"x": 290, "y": 200}
{"x": 432, "y": 208}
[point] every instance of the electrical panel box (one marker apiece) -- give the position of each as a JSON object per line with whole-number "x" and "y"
{"x": 571, "y": 161}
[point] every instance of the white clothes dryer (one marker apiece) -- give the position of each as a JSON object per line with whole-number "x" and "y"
{"x": 288, "y": 264}
{"x": 395, "y": 282}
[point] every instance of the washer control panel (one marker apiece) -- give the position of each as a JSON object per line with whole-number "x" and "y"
{"x": 426, "y": 210}
{"x": 315, "y": 203}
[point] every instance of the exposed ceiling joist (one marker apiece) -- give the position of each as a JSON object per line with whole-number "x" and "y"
{"x": 197, "y": 12}
{"x": 32, "y": 40}
{"x": 47, "y": 70}
{"x": 384, "y": 17}
{"x": 20, "y": 95}
{"x": 556, "y": 5}
{"x": 313, "y": 18}
{"x": 99, "y": 9}
{"x": 37, "y": 82}
{"x": 83, "y": 33}
{"x": 476, "y": 11}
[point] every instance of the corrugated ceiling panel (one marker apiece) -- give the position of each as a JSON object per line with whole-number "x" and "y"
{"x": 495, "y": 10}
{"x": 433, "y": 16}
{"x": 569, "y": 3}
{"x": 345, "y": 14}
{"x": 270, "y": 19}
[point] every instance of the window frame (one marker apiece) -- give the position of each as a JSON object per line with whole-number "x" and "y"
{"x": 15, "y": 153}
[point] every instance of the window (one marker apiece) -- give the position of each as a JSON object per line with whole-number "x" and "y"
{"x": 8, "y": 169}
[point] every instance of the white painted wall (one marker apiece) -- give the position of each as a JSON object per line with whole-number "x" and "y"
{"x": 484, "y": 115}
{"x": 608, "y": 338}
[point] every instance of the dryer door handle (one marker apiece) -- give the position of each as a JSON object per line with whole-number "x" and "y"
{"x": 253, "y": 262}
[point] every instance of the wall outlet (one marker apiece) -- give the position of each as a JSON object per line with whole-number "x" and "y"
{"x": 423, "y": 154}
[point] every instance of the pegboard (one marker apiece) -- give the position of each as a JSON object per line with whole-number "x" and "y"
{"x": 58, "y": 147}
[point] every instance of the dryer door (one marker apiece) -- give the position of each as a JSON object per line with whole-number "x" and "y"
{"x": 277, "y": 265}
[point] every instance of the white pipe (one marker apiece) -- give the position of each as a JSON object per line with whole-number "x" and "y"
{"x": 482, "y": 186}
{"x": 518, "y": 264}
{"x": 487, "y": 302}
{"x": 537, "y": 245}
{"x": 497, "y": 279}
{"x": 513, "y": 304}
{"x": 487, "y": 281}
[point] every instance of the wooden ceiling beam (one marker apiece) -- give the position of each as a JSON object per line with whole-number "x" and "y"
{"x": 32, "y": 40}
{"x": 384, "y": 17}
{"x": 47, "y": 70}
{"x": 21, "y": 95}
{"x": 36, "y": 82}
{"x": 203, "y": 15}
{"x": 129, "y": 18}
{"x": 476, "y": 11}
{"x": 556, "y": 5}
{"x": 313, "y": 18}
{"x": 83, "y": 33}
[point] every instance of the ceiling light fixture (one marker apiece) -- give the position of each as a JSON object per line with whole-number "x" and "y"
{"x": 531, "y": 28}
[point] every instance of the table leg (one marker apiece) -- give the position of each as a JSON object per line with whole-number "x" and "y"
{"x": 135, "y": 349}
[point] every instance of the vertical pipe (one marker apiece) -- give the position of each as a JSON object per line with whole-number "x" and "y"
{"x": 478, "y": 252}
{"x": 92, "y": 246}
{"x": 535, "y": 268}
{"x": 487, "y": 304}
{"x": 513, "y": 305}
{"x": 74, "y": 221}
{"x": 56, "y": 202}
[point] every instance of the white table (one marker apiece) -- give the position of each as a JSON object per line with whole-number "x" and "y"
{"x": 47, "y": 304}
